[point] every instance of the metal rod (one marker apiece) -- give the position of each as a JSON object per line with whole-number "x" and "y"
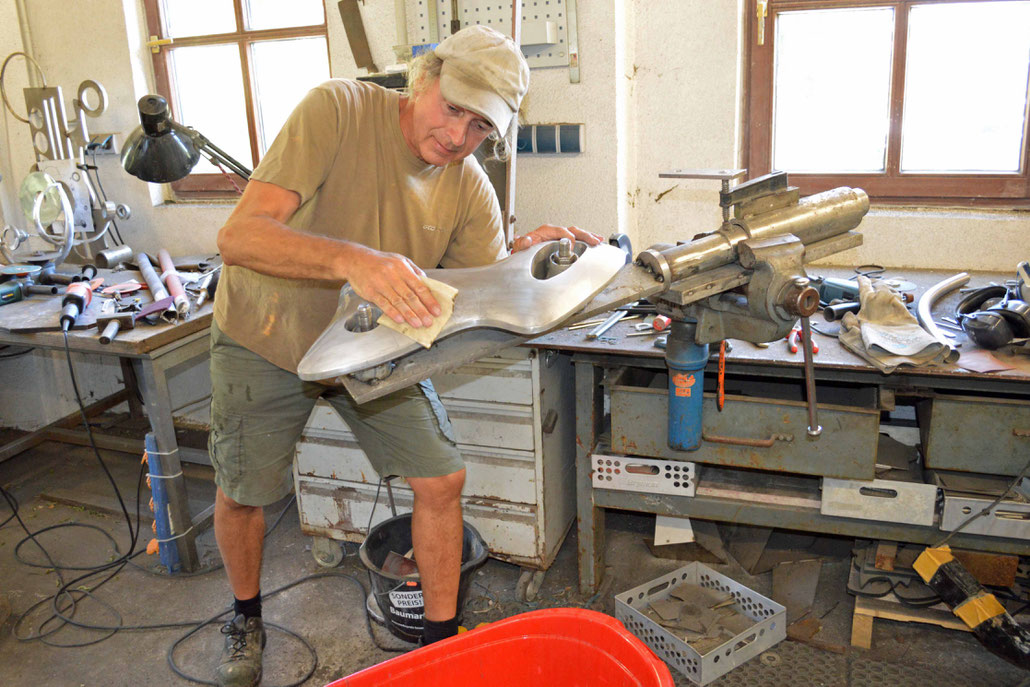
{"x": 814, "y": 430}
{"x": 607, "y": 324}
{"x": 924, "y": 308}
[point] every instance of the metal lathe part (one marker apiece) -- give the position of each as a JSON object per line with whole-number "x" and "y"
{"x": 814, "y": 218}
{"x": 111, "y": 257}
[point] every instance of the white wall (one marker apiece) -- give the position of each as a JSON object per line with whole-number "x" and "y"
{"x": 660, "y": 89}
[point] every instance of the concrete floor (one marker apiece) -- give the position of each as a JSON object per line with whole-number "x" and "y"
{"x": 328, "y": 611}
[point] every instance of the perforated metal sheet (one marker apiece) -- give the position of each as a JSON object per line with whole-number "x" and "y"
{"x": 497, "y": 15}
{"x": 795, "y": 664}
{"x": 791, "y": 664}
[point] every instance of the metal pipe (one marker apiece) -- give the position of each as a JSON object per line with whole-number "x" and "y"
{"x": 813, "y": 219}
{"x": 171, "y": 281}
{"x": 924, "y": 308}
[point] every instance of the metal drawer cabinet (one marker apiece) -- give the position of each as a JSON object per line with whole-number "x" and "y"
{"x": 775, "y": 414}
{"x": 514, "y": 419}
{"x": 975, "y": 433}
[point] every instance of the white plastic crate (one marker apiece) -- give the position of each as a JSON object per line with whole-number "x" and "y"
{"x": 770, "y": 626}
{"x": 646, "y": 475}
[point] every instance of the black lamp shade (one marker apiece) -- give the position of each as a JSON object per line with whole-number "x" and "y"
{"x": 159, "y": 150}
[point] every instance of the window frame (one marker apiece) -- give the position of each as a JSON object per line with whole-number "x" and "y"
{"x": 891, "y": 186}
{"x": 220, "y": 185}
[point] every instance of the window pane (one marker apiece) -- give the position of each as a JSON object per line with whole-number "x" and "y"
{"x": 198, "y": 17}
{"x": 283, "y": 72}
{"x": 965, "y": 87}
{"x": 208, "y": 81}
{"x": 831, "y": 105}
{"x": 276, "y": 14}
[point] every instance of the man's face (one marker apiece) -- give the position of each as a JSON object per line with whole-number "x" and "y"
{"x": 442, "y": 133}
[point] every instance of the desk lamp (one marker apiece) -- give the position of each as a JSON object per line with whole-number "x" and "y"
{"x": 161, "y": 150}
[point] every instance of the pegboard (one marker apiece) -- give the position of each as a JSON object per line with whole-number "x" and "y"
{"x": 497, "y": 15}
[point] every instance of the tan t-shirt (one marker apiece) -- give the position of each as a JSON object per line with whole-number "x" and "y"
{"x": 342, "y": 150}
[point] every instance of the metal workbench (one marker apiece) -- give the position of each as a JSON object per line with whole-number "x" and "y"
{"x": 756, "y": 496}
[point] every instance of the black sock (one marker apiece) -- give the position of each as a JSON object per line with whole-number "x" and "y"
{"x": 249, "y": 608}
{"x": 433, "y": 631}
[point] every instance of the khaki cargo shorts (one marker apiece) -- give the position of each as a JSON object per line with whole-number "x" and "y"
{"x": 259, "y": 410}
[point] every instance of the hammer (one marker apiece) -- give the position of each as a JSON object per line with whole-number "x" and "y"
{"x": 110, "y": 321}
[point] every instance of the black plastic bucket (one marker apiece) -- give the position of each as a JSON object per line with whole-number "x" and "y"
{"x": 400, "y": 597}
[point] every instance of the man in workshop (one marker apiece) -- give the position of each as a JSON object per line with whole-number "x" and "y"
{"x": 366, "y": 186}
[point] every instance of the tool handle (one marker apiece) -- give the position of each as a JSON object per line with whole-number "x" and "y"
{"x": 110, "y": 331}
{"x": 814, "y": 429}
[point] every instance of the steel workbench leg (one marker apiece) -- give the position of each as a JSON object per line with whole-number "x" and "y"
{"x": 131, "y": 385}
{"x": 590, "y": 521}
{"x": 153, "y": 385}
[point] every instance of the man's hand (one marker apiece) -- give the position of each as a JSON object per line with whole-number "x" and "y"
{"x": 393, "y": 283}
{"x": 550, "y": 232}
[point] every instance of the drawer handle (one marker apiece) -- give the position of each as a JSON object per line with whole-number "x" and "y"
{"x": 878, "y": 492}
{"x": 740, "y": 441}
{"x": 550, "y": 420}
{"x": 640, "y": 469}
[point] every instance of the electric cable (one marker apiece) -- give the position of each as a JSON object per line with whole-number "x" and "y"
{"x": 103, "y": 196}
{"x": 64, "y": 603}
{"x": 16, "y": 355}
{"x": 987, "y": 509}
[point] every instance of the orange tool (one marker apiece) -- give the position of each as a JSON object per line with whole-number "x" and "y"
{"x": 721, "y": 398}
{"x": 793, "y": 341}
{"x": 661, "y": 323}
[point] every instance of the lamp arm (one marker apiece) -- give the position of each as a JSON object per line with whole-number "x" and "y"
{"x": 210, "y": 149}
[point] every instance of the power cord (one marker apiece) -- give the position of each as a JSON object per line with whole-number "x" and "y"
{"x": 64, "y": 603}
{"x": 987, "y": 509}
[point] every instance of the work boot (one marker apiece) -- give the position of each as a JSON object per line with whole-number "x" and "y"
{"x": 241, "y": 658}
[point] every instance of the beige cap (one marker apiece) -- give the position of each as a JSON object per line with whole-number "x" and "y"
{"x": 483, "y": 71}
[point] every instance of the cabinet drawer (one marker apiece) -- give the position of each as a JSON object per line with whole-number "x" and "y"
{"x": 475, "y": 423}
{"x": 846, "y": 449}
{"x": 504, "y": 379}
{"x": 341, "y": 509}
{"x": 975, "y": 434}
{"x": 492, "y": 473}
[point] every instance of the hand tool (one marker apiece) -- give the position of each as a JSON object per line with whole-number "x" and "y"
{"x": 16, "y": 282}
{"x": 114, "y": 317}
{"x": 792, "y": 340}
{"x": 77, "y": 297}
{"x": 833, "y": 289}
{"x": 721, "y": 398}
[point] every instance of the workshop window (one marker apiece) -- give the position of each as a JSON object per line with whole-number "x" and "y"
{"x": 234, "y": 70}
{"x": 915, "y": 101}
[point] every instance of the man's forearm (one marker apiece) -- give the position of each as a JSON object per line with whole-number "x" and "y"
{"x": 270, "y": 247}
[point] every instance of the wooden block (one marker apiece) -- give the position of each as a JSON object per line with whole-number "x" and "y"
{"x": 886, "y": 551}
{"x": 861, "y": 630}
{"x": 989, "y": 568}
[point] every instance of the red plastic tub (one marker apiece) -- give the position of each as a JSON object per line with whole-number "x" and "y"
{"x": 556, "y": 647}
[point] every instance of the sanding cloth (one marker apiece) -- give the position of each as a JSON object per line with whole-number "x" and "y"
{"x": 444, "y": 295}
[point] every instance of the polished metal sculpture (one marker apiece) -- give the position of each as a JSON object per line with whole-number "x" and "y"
{"x": 527, "y": 293}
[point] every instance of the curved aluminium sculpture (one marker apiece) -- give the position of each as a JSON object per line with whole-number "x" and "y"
{"x": 527, "y": 293}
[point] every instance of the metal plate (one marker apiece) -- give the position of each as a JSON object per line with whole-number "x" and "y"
{"x": 505, "y": 295}
{"x": 880, "y": 499}
{"x": 630, "y": 473}
{"x": 1007, "y": 519}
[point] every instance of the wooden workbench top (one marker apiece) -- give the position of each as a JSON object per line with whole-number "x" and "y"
{"x": 44, "y": 311}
